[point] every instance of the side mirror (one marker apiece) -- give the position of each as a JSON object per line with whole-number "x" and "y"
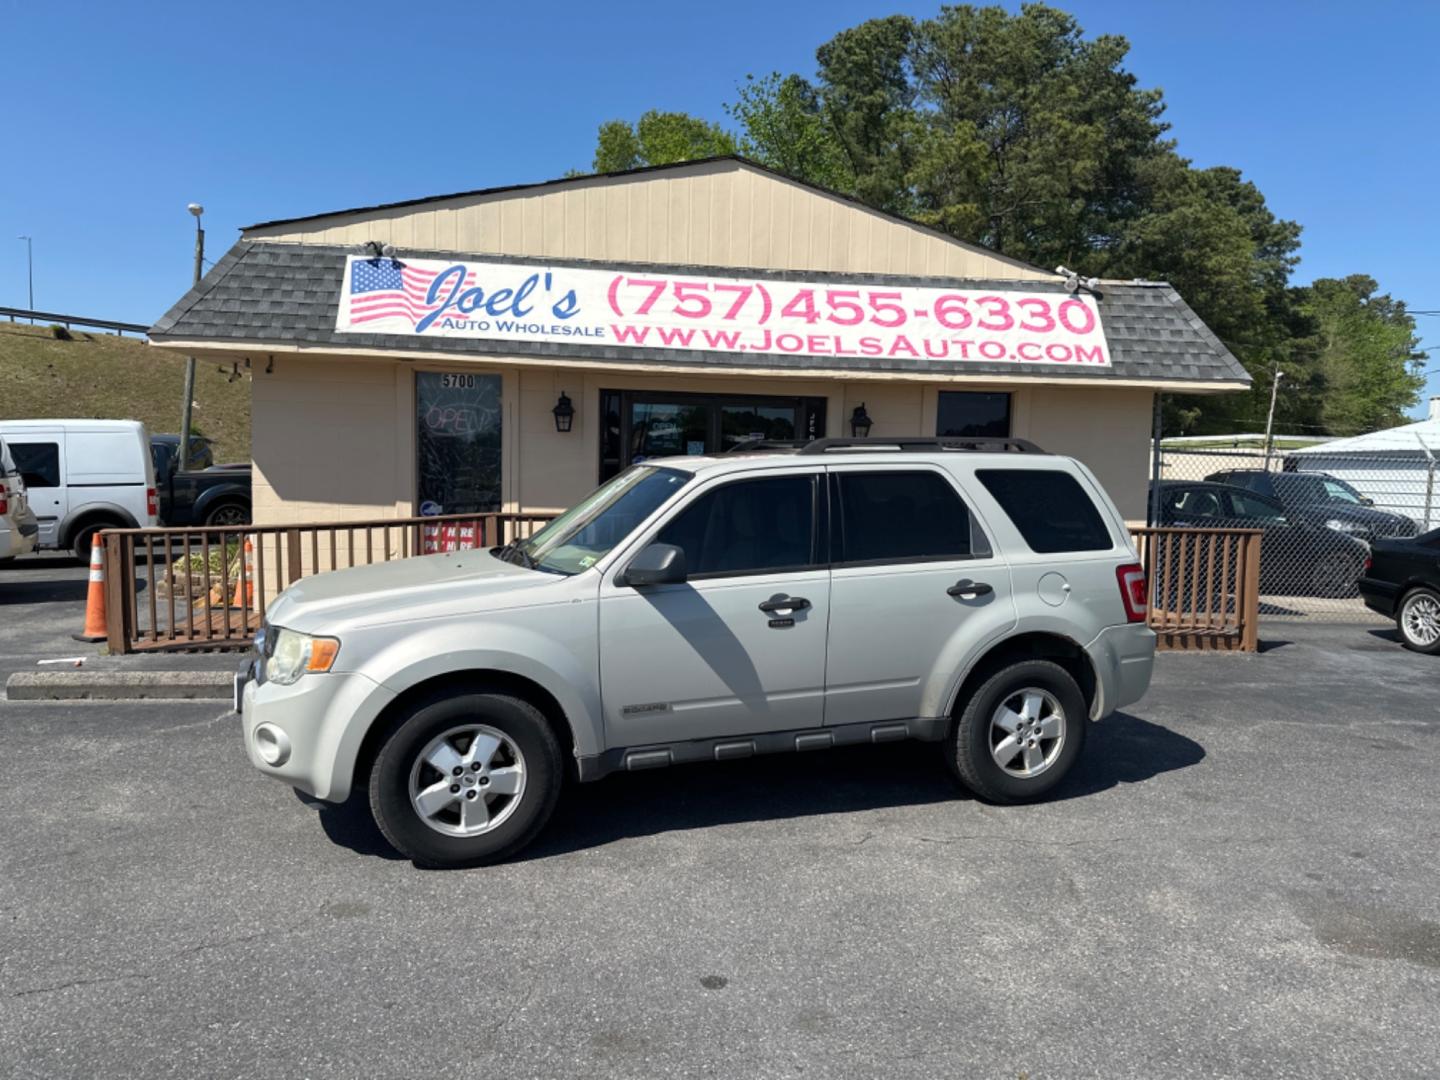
{"x": 657, "y": 564}
{"x": 1367, "y": 501}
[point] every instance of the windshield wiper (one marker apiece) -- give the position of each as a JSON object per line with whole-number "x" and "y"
{"x": 523, "y": 557}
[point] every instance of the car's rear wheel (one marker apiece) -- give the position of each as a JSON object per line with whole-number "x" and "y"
{"x": 227, "y": 515}
{"x": 1020, "y": 732}
{"x": 84, "y": 538}
{"x": 1418, "y": 620}
{"x": 466, "y": 779}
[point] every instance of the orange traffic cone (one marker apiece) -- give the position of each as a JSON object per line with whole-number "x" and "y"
{"x": 244, "y": 597}
{"x": 95, "y": 600}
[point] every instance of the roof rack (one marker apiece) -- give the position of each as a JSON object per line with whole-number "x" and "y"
{"x": 749, "y": 446}
{"x": 921, "y": 442}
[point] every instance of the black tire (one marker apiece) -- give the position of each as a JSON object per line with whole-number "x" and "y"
{"x": 228, "y": 515}
{"x": 968, "y": 750}
{"x": 514, "y": 718}
{"x": 84, "y": 536}
{"x": 1417, "y": 597}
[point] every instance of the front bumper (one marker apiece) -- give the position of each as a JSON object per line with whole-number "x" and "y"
{"x": 1123, "y": 658}
{"x": 318, "y": 721}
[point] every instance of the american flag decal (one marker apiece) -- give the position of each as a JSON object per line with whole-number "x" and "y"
{"x": 383, "y": 290}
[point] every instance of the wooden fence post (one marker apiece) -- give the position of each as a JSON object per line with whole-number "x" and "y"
{"x": 117, "y": 637}
{"x": 292, "y": 556}
{"x": 1250, "y": 599}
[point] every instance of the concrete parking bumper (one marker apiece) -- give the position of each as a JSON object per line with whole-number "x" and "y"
{"x": 118, "y": 685}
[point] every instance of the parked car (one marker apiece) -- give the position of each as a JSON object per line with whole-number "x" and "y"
{"x": 18, "y": 527}
{"x": 706, "y": 608}
{"x": 82, "y": 476}
{"x": 209, "y": 495}
{"x": 1321, "y": 499}
{"x": 1298, "y": 557}
{"x": 1402, "y": 582}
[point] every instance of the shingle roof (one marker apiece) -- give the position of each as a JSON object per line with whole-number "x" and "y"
{"x": 263, "y": 293}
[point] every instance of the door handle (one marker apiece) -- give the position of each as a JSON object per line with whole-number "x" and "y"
{"x": 969, "y": 590}
{"x": 784, "y": 603}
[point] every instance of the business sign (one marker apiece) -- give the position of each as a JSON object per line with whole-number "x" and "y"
{"x": 639, "y": 310}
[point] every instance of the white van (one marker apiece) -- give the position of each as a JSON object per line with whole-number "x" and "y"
{"x": 82, "y": 476}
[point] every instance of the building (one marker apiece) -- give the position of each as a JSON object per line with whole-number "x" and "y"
{"x": 1394, "y": 468}
{"x": 508, "y": 348}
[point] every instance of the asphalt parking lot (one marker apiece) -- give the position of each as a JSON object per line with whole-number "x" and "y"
{"x": 1239, "y": 880}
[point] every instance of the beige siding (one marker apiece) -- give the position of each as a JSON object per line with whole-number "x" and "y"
{"x": 1109, "y": 430}
{"x": 717, "y": 214}
{"x": 334, "y": 438}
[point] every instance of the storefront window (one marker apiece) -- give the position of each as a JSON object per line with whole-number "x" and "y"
{"x": 639, "y": 425}
{"x": 966, "y": 414}
{"x": 457, "y": 442}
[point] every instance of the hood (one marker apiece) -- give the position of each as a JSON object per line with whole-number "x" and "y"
{"x": 404, "y": 588}
{"x": 1379, "y": 522}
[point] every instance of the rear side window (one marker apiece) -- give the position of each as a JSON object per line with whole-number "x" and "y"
{"x": 39, "y": 463}
{"x": 903, "y": 516}
{"x": 1049, "y": 507}
{"x": 747, "y": 527}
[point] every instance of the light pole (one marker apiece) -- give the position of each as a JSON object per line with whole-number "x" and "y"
{"x": 184, "y": 456}
{"x": 30, "y": 269}
{"x": 1270, "y": 420}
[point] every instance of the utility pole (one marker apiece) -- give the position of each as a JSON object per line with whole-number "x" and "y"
{"x": 184, "y": 453}
{"x": 30, "y": 268}
{"x": 1270, "y": 420}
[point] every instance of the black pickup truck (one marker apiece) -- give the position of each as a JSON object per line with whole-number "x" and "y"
{"x": 204, "y": 494}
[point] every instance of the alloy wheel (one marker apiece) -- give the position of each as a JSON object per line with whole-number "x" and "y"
{"x": 1027, "y": 732}
{"x": 1420, "y": 619}
{"x": 467, "y": 781}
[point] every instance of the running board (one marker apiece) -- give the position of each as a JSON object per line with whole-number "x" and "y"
{"x": 731, "y": 747}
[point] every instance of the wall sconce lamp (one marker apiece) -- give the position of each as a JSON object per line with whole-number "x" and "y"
{"x": 860, "y": 422}
{"x": 564, "y": 413}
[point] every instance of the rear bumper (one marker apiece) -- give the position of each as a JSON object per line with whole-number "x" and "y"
{"x": 19, "y": 540}
{"x": 1123, "y": 658}
{"x": 1379, "y": 596}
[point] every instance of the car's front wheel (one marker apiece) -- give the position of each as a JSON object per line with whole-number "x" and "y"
{"x": 1019, "y": 733}
{"x": 466, "y": 779}
{"x": 1418, "y": 620}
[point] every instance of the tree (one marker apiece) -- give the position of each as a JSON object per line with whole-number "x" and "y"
{"x": 1365, "y": 349}
{"x": 1016, "y": 132}
{"x": 659, "y": 138}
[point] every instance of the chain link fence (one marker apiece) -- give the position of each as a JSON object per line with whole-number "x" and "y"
{"x": 1319, "y": 513}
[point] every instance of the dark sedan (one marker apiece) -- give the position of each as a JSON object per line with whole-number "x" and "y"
{"x": 1321, "y": 499}
{"x": 1402, "y": 582}
{"x": 1297, "y": 557}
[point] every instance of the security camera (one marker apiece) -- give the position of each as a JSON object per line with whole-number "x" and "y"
{"x": 388, "y": 250}
{"x": 1072, "y": 279}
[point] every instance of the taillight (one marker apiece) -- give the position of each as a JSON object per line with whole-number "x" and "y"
{"x": 1133, "y": 593}
{"x": 1369, "y": 562}
{"x": 4, "y": 498}
{"x": 152, "y": 505}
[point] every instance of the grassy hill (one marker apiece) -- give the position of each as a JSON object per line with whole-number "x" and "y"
{"x": 119, "y": 378}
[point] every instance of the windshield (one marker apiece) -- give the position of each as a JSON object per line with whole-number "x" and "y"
{"x": 1317, "y": 489}
{"x": 581, "y": 536}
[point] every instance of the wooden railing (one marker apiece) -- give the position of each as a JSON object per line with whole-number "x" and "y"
{"x": 208, "y": 588}
{"x": 1204, "y": 586}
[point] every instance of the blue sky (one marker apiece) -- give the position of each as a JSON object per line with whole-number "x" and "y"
{"x": 120, "y": 114}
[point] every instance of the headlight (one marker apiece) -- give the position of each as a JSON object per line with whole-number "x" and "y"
{"x": 295, "y": 653}
{"x": 1344, "y": 526}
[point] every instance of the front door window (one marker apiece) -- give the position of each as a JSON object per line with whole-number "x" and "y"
{"x": 457, "y": 442}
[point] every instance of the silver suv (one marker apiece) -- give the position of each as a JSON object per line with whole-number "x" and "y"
{"x": 981, "y": 594}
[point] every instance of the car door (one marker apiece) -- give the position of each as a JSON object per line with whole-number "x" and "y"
{"x": 723, "y": 653}
{"x": 913, "y": 579}
{"x": 39, "y": 457}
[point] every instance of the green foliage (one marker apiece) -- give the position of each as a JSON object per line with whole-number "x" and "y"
{"x": 1365, "y": 351}
{"x": 1016, "y": 132}
{"x": 658, "y": 138}
{"x": 61, "y": 333}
